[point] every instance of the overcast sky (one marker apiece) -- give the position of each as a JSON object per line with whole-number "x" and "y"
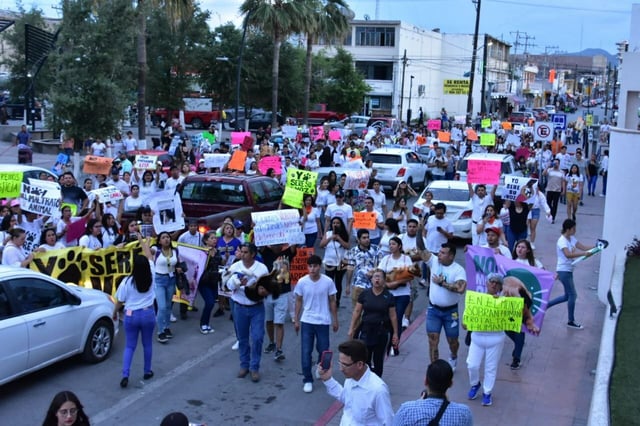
{"x": 568, "y": 26}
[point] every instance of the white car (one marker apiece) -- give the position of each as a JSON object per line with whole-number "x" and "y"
{"x": 508, "y": 167}
{"x": 551, "y": 109}
{"x": 399, "y": 164}
{"x": 43, "y": 321}
{"x": 455, "y": 195}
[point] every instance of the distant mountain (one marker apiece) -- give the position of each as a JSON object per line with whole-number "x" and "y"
{"x": 592, "y": 52}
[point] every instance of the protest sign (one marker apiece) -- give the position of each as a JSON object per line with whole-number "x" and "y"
{"x": 364, "y": 220}
{"x": 481, "y": 261}
{"x": 483, "y": 171}
{"x": 238, "y": 137}
{"x": 434, "y": 124}
{"x": 506, "y": 125}
{"x": 212, "y": 161}
{"x": 97, "y": 165}
{"x": 289, "y": 131}
{"x": 108, "y": 194}
{"x": 196, "y": 260}
{"x": 302, "y": 180}
{"x": 174, "y": 145}
{"x": 472, "y": 135}
{"x": 41, "y": 199}
{"x": 513, "y": 139}
{"x": 357, "y": 179}
{"x": 316, "y": 133}
{"x": 270, "y": 162}
{"x": 483, "y": 312}
{"x": 299, "y": 267}
{"x": 238, "y": 159}
{"x": 75, "y": 229}
{"x": 10, "y": 184}
{"x": 335, "y": 135}
{"x": 485, "y": 123}
{"x": 292, "y": 197}
{"x": 487, "y": 139}
{"x": 168, "y": 215}
{"x": 444, "y": 136}
{"x": 146, "y": 162}
{"x": 515, "y": 186}
{"x": 420, "y": 140}
{"x": 277, "y": 227}
{"x": 248, "y": 143}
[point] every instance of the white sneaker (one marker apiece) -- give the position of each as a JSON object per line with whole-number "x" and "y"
{"x": 405, "y": 322}
{"x": 173, "y": 318}
{"x": 453, "y": 362}
{"x": 533, "y": 246}
{"x": 392, "y": 352}
{"x": 308, "y": 387}
{"x": 235, "y": 346}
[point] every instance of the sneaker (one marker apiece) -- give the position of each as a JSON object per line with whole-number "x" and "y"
{"x": 473, "y": 392}
{"x": 192, "y": 308}
{"x": 453, "y": 362}
{"x": 168, "y": 333}
{"x": 392, "y": 352}
{"x": 515, "y": 365}
{"x": 575, "y": 325}
{"x": 486, "y": 399}
{"x": 603, "y": 195}
{"x": 308, "y": 387}
{"x": 270, "y": 348}
{"x": 205, "y": 329}
{"x": 405, "y": 322}
{"x": 235, "y": 346}
{"x": 162, "y": 338}
{"x": 533, "y": 246}
{"x": 422, "y": 283}
{"x": 173, "y": 318}
{"x": 279, "y": 356}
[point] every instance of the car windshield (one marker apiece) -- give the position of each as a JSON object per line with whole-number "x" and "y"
{"x": 450, "y": 194}
{"x": 213, "y": 192}
{"x": 385, "y": 158}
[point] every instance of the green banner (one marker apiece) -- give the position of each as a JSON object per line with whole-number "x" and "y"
{"x": 484, "y": 312}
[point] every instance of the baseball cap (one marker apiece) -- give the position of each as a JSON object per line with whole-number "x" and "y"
{"x": 15, "y": 203}
{"x": 493, "y": 229}
{"x": 238, "y": 223}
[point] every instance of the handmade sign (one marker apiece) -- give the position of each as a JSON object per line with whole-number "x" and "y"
{"x": 168, "y": 215}
{"x": 513, "y": 139}
{"x": 10, "y": 184}
{"x": 109, "y": 194}
{"x": 483, "y": 171}
{"x": 472, "y": 135}
{"x": 434, "y": 125}
{"x": 514, "y": 186}
{"x": 357, "y": 179}
{"x": 364, "y": 220}
{"x": 484, "y": 312}
{"x": 316, "y": 133}
{"x": 289, "y": 131}
{"x": 97, "y": 165}
{"x": 238, "y": 137}
{"x": 41, "y": 199}
{"x": 487, "y": 139}
{"x": 302, "y": 180}
{"x": 485, "y": 123}
{"x": 335, "y": 135}
{"x": 270, "y": 162}
{"x": 248, "y": 143}
{"x": 212, "y": 161}
{"x": 299, "y": 267}
{"x": 238, "y": 159}
{"x": 444, "y": 136}
{"x": 146, "y": 162}
{"x": 506, "y": 125}
{"x": 277, "y": 227}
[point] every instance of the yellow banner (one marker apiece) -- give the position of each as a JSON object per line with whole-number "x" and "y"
{"x": 455, "y": 87}
{"x": 484, "y": 312}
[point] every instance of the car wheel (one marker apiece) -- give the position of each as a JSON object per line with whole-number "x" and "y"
{"x": 99, "y": 342}
{"x": 196, "y": 123}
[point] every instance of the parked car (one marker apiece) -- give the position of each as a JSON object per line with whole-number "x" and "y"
{"x": 381, "y": 123}
{"x": 258, "y": 120}
{"x": 509, "y": 167}
{"x": 28, "y": 172}
{"x": 399, "y": 164}
{"x": 455, "y": 195}
{"x": 540, "y": 114}
{"x": 551, "y": 109}
{"x": 520, "y": 117}
{"x": 43, "y": 320}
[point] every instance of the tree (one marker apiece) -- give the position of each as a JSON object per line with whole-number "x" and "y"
{"x": 346, "y": 87}
{"x": 94, "y": 67}
{"x": 279, "y": 19}
{"x": 330, "y": 21}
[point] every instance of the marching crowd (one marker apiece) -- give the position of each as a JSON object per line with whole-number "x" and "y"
{"x": 381, "y": 270}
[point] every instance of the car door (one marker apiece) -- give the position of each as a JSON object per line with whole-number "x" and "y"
{"x": 14, "y": 350}
{"x": 271, "y": 194}
{"x": 54, "y": 325}
{"x": 416, "y": 167}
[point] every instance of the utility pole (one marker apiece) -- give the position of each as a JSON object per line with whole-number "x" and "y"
{"x": 483, "y": 94}
{"x": 473, "y": 63}
{"x": 515, "y": 58}
{"x": 404, "y": 68}
{"x": 606, "y": 91}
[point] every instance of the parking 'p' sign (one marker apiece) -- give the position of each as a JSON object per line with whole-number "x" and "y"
{"x": 543, "y": 132}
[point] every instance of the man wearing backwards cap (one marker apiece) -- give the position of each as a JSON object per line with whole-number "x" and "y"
{"x": 493, "y": 241}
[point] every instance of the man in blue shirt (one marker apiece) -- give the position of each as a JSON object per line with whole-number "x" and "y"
{"x": 23, "y": 137}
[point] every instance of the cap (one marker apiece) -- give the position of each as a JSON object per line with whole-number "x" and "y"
{"x": 15, "y": 203}
{"x": 493, "y": 229}
{"x": 238, "y": 223}
{"x": 115, "y": 160}
{"x": 115, "y": 171}
{"x": 521, "y": 198}
{"x": 340, "y": 193}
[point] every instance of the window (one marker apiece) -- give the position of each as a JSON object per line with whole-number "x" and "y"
{"x": 35, "y": 295}
{"x": 274, "y": 191}
{"x": 375, "y": 36}
{"x": 258, "y": 193}
{"x": 375, "y": 70}
{"x": 5, "y": 306}
{"x": 214, "y": 192}
{"x": 412, "y": 157}
{"x": 385, "y": 158}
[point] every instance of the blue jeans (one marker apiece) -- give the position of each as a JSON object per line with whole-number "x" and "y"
{"x": 518, "y": 342}
{"x": 309, "y": 332}
{"x": 513, "y": 237}
{"x": 604, "y": 183}
{"x": 249, "y": 324}
{"x": 310, "y": 239}
{"x": 593, "y": 180}
{"x": 165, "y": 288}
{"x": 401, "y": 305}
{"x": 140, "y": 322}
{"x": 570, "y": 296}
{"x": 209, "y": 295}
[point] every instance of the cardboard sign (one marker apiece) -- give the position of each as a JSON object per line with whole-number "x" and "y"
{"x": 487, "y": 139}
{"x": 444, "y": 136}
{"x": 238, "y": 160}
{"x": 41, "y": 199}
{"x": 97, "y": 165}
{"x": 248, "y": 143}
{"x": 364, "y": 220}
{"x": 299, "y": 267}
{"x": 472, "y": 135}
{"x": 10, "y": 184}
{"x": 146, "y": 162}
{"x": 167, "y": 208}
{"x": 316, "y": 133}
{"x": 108, "y": 194}
{"x": 335, "y": 135}
{"x": 506, "y": 125}
{"x": 485, "y": 123}
{"x": 270, "y": 162}
{"x": 302, "y": 180}
{"x": 434, "y": 124}
{"x": 277, "y": 227}
{"x": 483, "y": 312}
{"x": 289, "y": 131}
{"x": 212, "y": 161}
{"x": 357, "y": 179}
{"x": 238, "y": 137}
{"x": 515, "y": 186}
{"x": 292, "y": 197}
{"x": 483, "y": 171}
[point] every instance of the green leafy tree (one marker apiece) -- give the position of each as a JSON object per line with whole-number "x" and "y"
{"x": 346, "y": 87}
{"x": 95, "y": 71}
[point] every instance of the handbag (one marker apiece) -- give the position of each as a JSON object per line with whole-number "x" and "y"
{"x": 182, "y": 283}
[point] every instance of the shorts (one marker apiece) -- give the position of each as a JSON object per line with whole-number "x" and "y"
{"x": 573, "y": 197}
{"x": 535, "y": 214}
{"x": 414, "y": 290}
{"x": 276, "y": 310}
{"x": 449, "y": 319}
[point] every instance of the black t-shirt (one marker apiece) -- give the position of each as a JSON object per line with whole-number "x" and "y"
{"x": 518, "y": 221}
{"x": 269, "y": 257}
{"x": 73, "y": 195}
{"x": 375, "y": 309}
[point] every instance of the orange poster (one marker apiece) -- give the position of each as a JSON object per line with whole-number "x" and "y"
{"x": 97, "y": 165}
{"x": 472, "y": 135}
{"x": 506, "y": 125}
{"x": 364, "y": 220}
{"x": 298, "y": 268}
{"x": 421, "y": 140}
{"x": 444, "y": 136}
{"x": 237, "y": 160}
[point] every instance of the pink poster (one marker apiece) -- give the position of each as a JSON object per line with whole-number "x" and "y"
{"x": 76, "y": 229}
{"x": 316, "y": 133}
{"x": 335, "y": 135}
{"x": 483, "y": 171}
{"x": 434, "y": 124}
{"x": 238, "y": 137}
{"x": 270, "y": 162}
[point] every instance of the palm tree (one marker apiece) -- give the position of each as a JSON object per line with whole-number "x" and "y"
{"x": 330, "y": 21}
{"x": 278, "y": 18}
{"x": 176, "y": 10}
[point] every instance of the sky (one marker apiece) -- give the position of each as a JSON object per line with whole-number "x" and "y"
{"x": 568, "y": 26}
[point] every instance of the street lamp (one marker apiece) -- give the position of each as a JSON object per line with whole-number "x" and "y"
{"x": 483, "y": 94}
{"x": 473, "y": 63}
{"x": 30, "y": 102}
{"x": 409, "y": 109}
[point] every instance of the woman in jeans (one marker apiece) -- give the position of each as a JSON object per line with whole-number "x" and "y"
{"x": 335, "y": 244}
{"x": 136, "y": 294}
{"x": 568, "y": 248}
{"x": 166, "y": 261}
{"x": 592, "y": 172}
{"x": 208, "y": 286}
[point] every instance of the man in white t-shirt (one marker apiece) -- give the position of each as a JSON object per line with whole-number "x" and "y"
{"x": 439, "y": 229}
{"x": 175, "y": 179}
{"x": 341, "y": 210}
{"x": 130, "y": 143}
{"x": 315, "y": 311}
{"x": 479, "y": 200}
{"x": 192, "y": 236}
{"x": 374, "y": 234}
{"x": 493, "y": 241}
{"x": 379, "y": 198}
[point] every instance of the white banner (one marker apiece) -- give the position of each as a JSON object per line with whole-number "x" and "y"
{"x": 289, "y": 131}
{"x": 146, "y": 162}
{"x": 515, "y": 186}
{"x": 167, "y": 212}
{"x": 108, "y": 194}
{"x": 42, "y": 198}
{"x": 212, "y": 161}
{"x": 357, "y": 179}
{"x": 277, "y": 227}
{"x": 513, "y": 139}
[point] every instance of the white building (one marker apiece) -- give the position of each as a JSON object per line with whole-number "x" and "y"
{"x": 410, "y": 68}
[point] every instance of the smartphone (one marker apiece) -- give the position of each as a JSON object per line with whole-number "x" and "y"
{"x": 325, "y": 359}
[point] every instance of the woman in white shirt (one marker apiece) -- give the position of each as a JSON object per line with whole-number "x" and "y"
{"x": 109, "y": 230}
{"x": 49, "y": 240}
{"x": 12, "y": 255}
{"x": 391, "y": 229}
{"x": 523, "y": 253}
{"x": 166, "y": 262}
{"x": 92, "y": 239}
{"x": 133, "y": 202}
{"x": 136, "y": 294}
{"x": 310, "y": 222}
{"x": 148, "y": 184}
{"x": 335, "y": 244}
{"x": 400, "y": 213}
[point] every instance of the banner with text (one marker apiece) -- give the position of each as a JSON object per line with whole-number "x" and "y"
{"x": 109, "y": 194}
{"x": 299, "y": 267}
{"x": 10, "y": 184}
{"x": 515, "y": 186}
{"x": 212, "y": 161}
{"x": 41, "y": 198}
{"x": 277, "y": 227}
{"x": 484, "y": 312}
{"x": 455, "y": 87}
{"x": 146, "y": 162}
{"x": 483, "y": 171}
